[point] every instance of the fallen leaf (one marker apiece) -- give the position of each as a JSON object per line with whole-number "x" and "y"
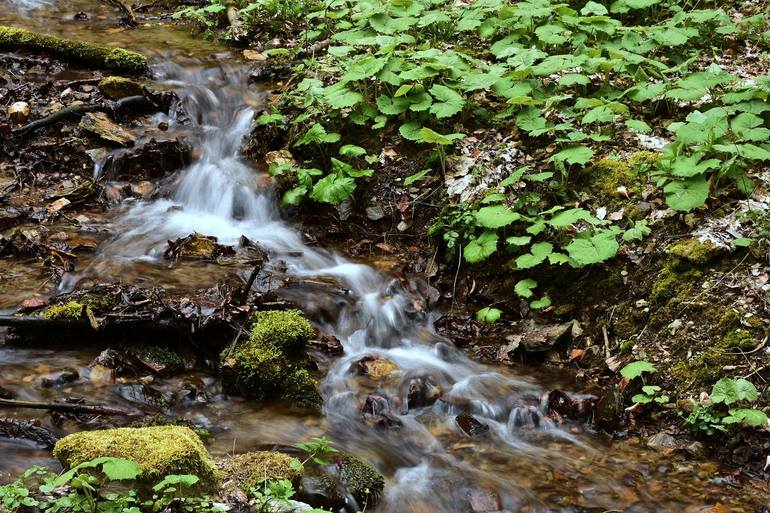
{"x": 254, "y": 55}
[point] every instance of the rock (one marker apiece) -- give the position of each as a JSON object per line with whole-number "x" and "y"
{"x": 697, "y": 450}
{"x": 538, "y": 338}
{"x": 422, "y": 392}
{"x": 377, "y": 412}
{"x": 143, "y": 394}
{"x": 662, "y": 441}
{"x": 270, "y": 364}
{"x": 608, "y": 414}
{"x": 18, "y": 112}
{"x": 562, "y": 405}
{"x": 6, "y": 394}
{"x": 197, "y": 246}
{"x": 59, "y": 379}
{"x": 471, "y": 426}
{"x": 27, "y": 430}
{"x": 524, "y": 417}
{"x": 362, "y": 481}
{"x": 375, "y": 212}
{"x": 159, "y": 451}
{"x": 484, "y": 500}
{"x": 102, "y": 126}
{"x": 116, "y": 88}
{"x": 329, "y": 345}
{"x": 699, "y": 253}
{"x": 243, "y": 471}
{"x": 321, "y": 490}
{"x": 376, "y": 367}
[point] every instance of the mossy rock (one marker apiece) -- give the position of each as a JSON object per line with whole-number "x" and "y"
{"x": 69, "y": 311}
{"x": 116, "y": 88}
{"x": 93, "y": 54}
{"x": 288, "y": 330}
{"x": 271, "y": 363}
{"x": 696, "y": 252}
{"x": 642, "y": 158}
{"x": 244, "y": 471}
{"x": 159, "y": 359}
{"x": 361, "y": 480}
{"x": 159, "y": 451}
{"x": 609, "y": 174}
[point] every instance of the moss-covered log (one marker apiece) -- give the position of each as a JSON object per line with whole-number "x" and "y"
{"x": 92, "y": 54}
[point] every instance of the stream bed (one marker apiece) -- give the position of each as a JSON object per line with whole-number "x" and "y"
{"x": 522, "y": 462}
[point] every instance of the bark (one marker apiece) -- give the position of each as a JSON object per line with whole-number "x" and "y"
{"x": 92, "y": 54}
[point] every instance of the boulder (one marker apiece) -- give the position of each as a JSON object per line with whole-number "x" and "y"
{"x": 362, "y": 481}
{"x": 244, "y": 471}
{"x": 116, "y": 88}
{"x": 159, "y": 451}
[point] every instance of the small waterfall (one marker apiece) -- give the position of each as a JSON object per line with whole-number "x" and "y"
{"x": 221, "y": 195}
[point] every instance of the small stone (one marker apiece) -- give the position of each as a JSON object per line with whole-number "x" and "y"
{"x": 484, "y": 500}
{"x": 661, "y": 440}
{"x": 696, "y": 450}
{"x": 254, "y": 55}
{"x": 57, "y": 205}
{"x": 402, "y": 226}
{"x": 375, "y": 212}
{"x": 18, "y": 112}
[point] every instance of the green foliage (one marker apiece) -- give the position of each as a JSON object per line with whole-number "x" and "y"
{"x": 488, "y": 314}
{"x": 650, "y": 393}
{"x": 318, "y": 449}
{"x": 636, "y": 369}
{"x": 710, "y": 417}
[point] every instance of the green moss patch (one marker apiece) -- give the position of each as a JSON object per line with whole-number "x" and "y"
{"x": 71, "y": 311}
{"x": 159, "y": 451}
{"x": 362, "y": 480}
{"x": 116, "y": 88}
{"x": 696, "y": 252}
{"x": 271, "y": 364}
{"x": 88, "y": 53}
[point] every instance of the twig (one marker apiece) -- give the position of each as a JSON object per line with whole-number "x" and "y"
{"x": 66, "y": 407}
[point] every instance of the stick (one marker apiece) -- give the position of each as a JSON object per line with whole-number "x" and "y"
{"x": 92, "y": 409}
{"x": 127, "y": 11}
{"x": 59, "y": 115}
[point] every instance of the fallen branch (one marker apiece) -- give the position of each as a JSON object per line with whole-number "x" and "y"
{"x": 128, "y": 13}
{"x": 91, "y": 409}
{"x": 59, "y": 115}
{"x": 27, "y": 430}
{"x": 117, "y": 59}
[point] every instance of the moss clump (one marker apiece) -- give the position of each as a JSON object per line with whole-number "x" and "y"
{"x": 642, "y": 158}
{"x": 696, "y": 252}
{"x": 271, "y": 363}
{"x": 739, "y": 332}
{"x": 116, "y": 88}
{"x": 89, "y": 53}
{"x": 159, "y": 451}
{"x": 609, "y": 174}
{"x": 70, "y": 311}
{"x": 243, "y": 471}
{"x": 673, "y": 282}
{"x": 361, "y": 480}
{"x": 287, "y": 330}
{"x": 301, "y": 389}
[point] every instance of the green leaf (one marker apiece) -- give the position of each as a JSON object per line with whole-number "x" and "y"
{"x": 518, "y": 241}
{"x": 340, "y": 96}
{"x": 488, "y": 315}
{"x": 481, "y": 248}
{"x": 294, "y": 196}
{"x": 566, "y": 218}
{"x": 392, "y": 106}
{"x": 574, "y": 155}
{"x": 538, "y": 253}
{"x": 636, "y": 369}
{"x": 409, "y": 180}
{"x": 598, "y": 248}
{"x": 729, "y": 391}
{"x": 182, "y": 480}
{"x": 638, "y": 232}
{"x": 450, "y": 102}
{"x": 594, "y": 8}
{"x": 685, "y": 195}
{"x": 749, "y": 417}
{"x": 539, "y": 304}
{"x": 333, "y": 189}
{"x": 428, "y": 136}
{"x": 741, "y": 242}
{"x": 496, "y": 216}
{"x": 351, "y": 150}
{"x": 317, "y": 134}
{"x": 638, "y": 126}
{"x": 410, "y": 131}
{"x": 523, "y": 288}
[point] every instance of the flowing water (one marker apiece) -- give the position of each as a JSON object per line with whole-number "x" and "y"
{"x": 533, "y": 464}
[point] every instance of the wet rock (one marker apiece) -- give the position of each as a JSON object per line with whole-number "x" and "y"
{"x": 608, "y": 415}
{"x": 361, "y": 480}
{"x": 484, "y": 500}
{"x": 329, "y": 345}
{"x": 697, "y": 450}
{"x": 18, "y": 112}
{"x": 116, "y": 88}
{"x": 376, "y": 367}
{"x": 539, "y": 338}
{"x": 197, "y": 246}
{"x": 524, "y": 417}
{"x": 6, "y": 394}
{"x": 662, "y": 441}
{"x": 160, "y": 451}
{"x": 560, "y": 405}
{"x": 321, "y": 490}
{"x": 27, "y": 430}
{"x": 60, "y": 379}
{"x": 244, "y": 471}
{"x": 140, "y": 393}
{"x": 157, "y": 359}
{"x": 377, "y": 412}
{"x": 471, "y": 426}
{"x": 422, "y": 392}
{"x": 100, "y": 125}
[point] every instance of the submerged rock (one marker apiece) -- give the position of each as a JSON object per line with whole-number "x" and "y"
{"x": 271, "y": 364}
{"x": 376, "y": 367}
{"x": 244, "y": 471}
{"x": 471, "y": 426}
{"x": 159, "y": 451}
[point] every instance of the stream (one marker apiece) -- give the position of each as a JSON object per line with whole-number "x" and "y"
{"x": 525, "y": 463}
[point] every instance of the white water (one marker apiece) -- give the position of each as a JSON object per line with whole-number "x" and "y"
{"x": 220, "y": 195}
